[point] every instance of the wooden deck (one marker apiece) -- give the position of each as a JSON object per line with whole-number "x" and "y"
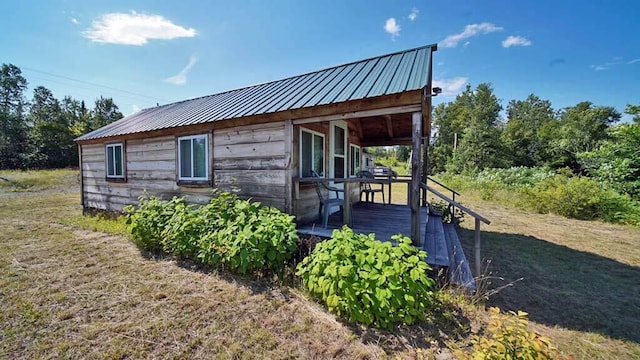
{"x": 384, "y": 220}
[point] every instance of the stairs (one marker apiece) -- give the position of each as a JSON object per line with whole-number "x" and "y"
{"x": 443, "y": 249}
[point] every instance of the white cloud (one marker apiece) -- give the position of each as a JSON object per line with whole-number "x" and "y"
{"x": 392, "y": 27}
{"x": 181, "y": 77}
{"x": 414, "y": 14}
{"x": 134, "y": 29}
{"x": 452, "y": 86}
{"x": 633, "y": 61}
{"x": 135, "y": 108}
{"x": 469, "y": 31}
{"x": 75, "y": 21}
{"x": 598, "y": 67}
{"x": 515, "y": 41}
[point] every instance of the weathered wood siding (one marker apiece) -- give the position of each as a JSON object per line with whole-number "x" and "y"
{"x": 252, "y": 159}
{"x": 249, "y": 159}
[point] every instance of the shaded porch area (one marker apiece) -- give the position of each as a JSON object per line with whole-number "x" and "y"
{"x": 384, "y": 220}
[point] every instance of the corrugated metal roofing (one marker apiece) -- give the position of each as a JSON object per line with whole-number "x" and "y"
{"x": 383, "y": 75}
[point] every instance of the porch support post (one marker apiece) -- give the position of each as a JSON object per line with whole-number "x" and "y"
{"x": 289, "y": 207}
{"x": 425, "y": 161}
{"x": 416, "y": 136}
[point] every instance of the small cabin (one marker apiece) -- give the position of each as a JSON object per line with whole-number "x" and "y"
{"x": 265, "y": 140}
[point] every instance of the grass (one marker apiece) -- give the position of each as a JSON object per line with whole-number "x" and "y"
{"x": 578, "y": 280}
{"x": 74, "y": 287}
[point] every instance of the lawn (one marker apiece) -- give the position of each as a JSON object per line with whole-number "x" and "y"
{"x": 68, "y": 291}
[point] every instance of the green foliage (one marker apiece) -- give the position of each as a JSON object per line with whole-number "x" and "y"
{"x": 447, "y": 211}
{"x": 368, "y": 281}
{"x": 240, "y": 235}
{"x": 148, "y": 222}
{"x": 616, "y": 161}
{"x": 507, "y": 337}
{"x": 250, "y": 237}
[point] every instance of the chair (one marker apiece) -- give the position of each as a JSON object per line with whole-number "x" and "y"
{"x": 365, "y": 187}
{"x": 326, "y": 203}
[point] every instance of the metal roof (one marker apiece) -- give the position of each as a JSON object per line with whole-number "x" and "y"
{"x": 383, "y": 75}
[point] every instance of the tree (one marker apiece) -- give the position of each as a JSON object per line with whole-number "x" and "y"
{"x": 524, "y": 134}
{"x": 104, "y": 112}
{"x": 51, "y": 134}
{"x": 582, "y": 127}
{"x": 616, "y": 161}
{"x": 635, "y": 111}
{"x": 13, "y": 129}
{"x": 480, "y": 146}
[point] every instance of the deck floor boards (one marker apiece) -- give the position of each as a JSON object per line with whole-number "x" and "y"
{"x": 384, "y": 220}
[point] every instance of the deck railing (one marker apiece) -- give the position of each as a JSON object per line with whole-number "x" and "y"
{"x": 478, "y": 218}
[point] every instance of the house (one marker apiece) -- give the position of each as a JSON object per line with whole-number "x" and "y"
{"x": 267, "y": 140}
{"x": 258, "y": 139}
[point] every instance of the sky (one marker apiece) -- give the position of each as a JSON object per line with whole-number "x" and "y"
{"x": 143, "y": 53}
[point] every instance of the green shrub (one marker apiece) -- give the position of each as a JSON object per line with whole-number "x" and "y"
{"x": 250, "y": 237}
{"x": 148, "y": 222}
{"x": 182, "y": 232}
{"x": 240, "y": 235}
{"x": 508, "y": 337}
{"x": 367, "y": 281}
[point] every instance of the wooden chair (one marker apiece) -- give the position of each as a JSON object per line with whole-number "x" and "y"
{"x": 327, "y": 202}
{"x": 365, "y": 187}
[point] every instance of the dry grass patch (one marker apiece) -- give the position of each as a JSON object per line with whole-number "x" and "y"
{"x": 68, "y": 292}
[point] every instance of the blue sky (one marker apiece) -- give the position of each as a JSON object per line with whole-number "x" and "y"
{"x": 147, "y": 52}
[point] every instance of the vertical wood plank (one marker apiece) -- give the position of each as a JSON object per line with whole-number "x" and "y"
{"x": 416, "y": 136}
{"x": 346, "y": 218}
{"x": 478, "y": 257}
{"x": 288, "y": 160}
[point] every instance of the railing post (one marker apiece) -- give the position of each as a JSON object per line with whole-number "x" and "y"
{"x": 477, "y": 249}
{"x": 416, "y": 135}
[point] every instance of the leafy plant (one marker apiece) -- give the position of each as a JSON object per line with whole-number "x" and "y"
{"x": 508, "y": 337}
{"x": 368, "y": 281}
{"x": 449, "y": 213}
{"x": 240, "y": 235}
{"x": 148, "y": 222}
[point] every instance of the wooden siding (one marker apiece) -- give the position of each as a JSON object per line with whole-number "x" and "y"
{"x": 250, "y": 158}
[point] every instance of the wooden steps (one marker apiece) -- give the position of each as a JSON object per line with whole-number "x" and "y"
{"x": 443, "y": 249}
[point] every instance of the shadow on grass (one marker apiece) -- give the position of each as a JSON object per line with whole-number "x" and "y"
{"x": 562, "y": 286}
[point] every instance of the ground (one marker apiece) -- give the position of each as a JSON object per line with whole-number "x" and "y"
{"x": 68, "y": 291}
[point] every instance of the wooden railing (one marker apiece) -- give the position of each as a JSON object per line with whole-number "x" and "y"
{"x": 478, "y": 218}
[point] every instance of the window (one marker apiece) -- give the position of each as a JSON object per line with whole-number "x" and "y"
{"x": 354, "y": 165}
{"x": 311, "y": 153}
{"x": 339, "y": 156}
{"x": 193, "y": 159}
{"x": 115, "y": 161}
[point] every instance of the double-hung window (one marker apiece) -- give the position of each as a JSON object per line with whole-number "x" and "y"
{"x": 354, "y": 164}
{"x": 114, "y": 154}
{"x": 311, "y": 153}
{"x": 193, "y": 158}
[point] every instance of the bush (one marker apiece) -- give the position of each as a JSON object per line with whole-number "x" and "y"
{"x": 148, "y": 222}
{"x": 507, "y": 337}
{"x": 249, "y": 238}
{"x": 367, "y": 281}
{"x": 240, "y": 235}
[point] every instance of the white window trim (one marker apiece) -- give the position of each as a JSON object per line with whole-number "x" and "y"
{"x": 312, "y": 150}
{"x": 332, "y": 146}
{"x": 106, "y": 160}
{"x": 206, "y": 158}
{"x": 352, "y": 166}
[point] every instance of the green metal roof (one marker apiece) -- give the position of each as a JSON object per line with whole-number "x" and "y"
{"x": 383, "y": 75}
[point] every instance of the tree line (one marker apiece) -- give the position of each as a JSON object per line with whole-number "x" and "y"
{"x": 470, "y": 136}
{"x": 40, "y": 133}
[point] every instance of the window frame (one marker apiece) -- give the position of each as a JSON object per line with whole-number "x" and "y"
{"x": 324, "y": 150}
{"x": 123, "y": 170}
{"x": 192, "y": 179}
{"x": 352, "y": 165}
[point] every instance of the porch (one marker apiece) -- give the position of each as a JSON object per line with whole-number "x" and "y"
{"x": 384, "y": 220}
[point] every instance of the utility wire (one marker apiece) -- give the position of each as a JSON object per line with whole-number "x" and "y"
{"x": 94, "y": 84}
